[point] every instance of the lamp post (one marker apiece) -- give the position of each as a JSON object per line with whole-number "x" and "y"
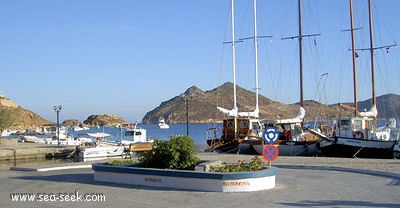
{"x": 187, "y": 116}
{"x": 187, "y": 99}
{"x": 58, "y": 109}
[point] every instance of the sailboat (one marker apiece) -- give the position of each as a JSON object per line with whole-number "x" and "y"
{"x": 293, "y": 140}
{"x": 358, "y": 135}
{"x": 247, "y": 139}
{"x": 239, "y": 127}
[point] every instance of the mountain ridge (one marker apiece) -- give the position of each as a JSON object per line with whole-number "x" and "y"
{"x": 202, "y": 106}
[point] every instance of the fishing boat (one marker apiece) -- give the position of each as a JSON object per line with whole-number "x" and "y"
{"x": 135, "y": 140}
{"x": 357, "y": 135}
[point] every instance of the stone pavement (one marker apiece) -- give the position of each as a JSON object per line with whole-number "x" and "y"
{"x": 301, "y": 182}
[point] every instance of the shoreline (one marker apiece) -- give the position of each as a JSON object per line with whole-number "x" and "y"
{"x": 11, "y": 150}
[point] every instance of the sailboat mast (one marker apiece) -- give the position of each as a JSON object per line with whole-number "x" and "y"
{"x": 353, "y": 51}
{"x": 371, "y": 43}
{"x": 300, "y": 37}
{"x": 234, "y": 67}
{"x": 301, "y": 55}
{"x": 256, "y": 50}
{"x": 233, "y": 56}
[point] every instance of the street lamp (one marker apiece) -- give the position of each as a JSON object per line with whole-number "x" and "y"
{"x": 187, "y": 116}
{"x": 58, "y": 109}
{"x": 187, "y": 99}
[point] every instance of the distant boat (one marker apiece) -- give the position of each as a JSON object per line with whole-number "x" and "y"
{"x": 5, "y": 132}
{"x": 162, "y": 124}
{"x": 77, "y": 128}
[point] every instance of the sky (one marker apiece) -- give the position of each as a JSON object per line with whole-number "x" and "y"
{"x": 125, "y": 57}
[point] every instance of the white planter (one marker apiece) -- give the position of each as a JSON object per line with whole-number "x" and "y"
{"x": 188, "y": 180}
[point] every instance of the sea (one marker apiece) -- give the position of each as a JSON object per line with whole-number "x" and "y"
{"x": 196, "y": 131}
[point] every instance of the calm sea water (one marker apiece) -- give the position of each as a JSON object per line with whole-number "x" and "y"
{"x": 196, "y": 131}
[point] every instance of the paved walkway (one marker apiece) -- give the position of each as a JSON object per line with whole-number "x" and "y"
{"x": 301, "y": 182}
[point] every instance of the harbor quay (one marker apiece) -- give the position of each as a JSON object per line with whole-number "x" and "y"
{"x": 300, "y": 182}
{"x": 14, "y": 150}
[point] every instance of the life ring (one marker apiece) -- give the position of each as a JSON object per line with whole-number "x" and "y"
{"x": 287, "y": 133}
{"x": 358, "y": 134}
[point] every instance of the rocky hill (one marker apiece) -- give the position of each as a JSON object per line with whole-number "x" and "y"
{"x": 106, "y": 119}
{"x": 22, "y": 118}
{"x": 72, "y": 122}
{"x": 25, "y": 119}
{"x": 202, "y": 106}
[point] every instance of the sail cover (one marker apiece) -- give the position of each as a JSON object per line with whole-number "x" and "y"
{"x": 373, "y": 112}
{"x": 233, "y": 112}
{"x": 298, "y": 119}
{"x": 250, "y": 114}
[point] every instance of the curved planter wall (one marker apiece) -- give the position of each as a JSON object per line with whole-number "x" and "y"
{"x": 189, "y": 180}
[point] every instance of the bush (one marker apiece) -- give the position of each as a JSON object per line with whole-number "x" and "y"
{"x": 120, "y": 162}
{"x": 255, "y": 164}
{"x": 176, "y": 153}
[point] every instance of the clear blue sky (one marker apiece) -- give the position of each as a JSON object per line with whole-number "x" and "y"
{"x": 126, "y": 57}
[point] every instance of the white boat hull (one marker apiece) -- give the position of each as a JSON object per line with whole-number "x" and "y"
{"x": 101, "y": 152}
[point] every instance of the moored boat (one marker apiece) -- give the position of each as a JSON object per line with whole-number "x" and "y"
{"x": 101, "y": 148}
{"x": 357, "y": 135}
{"x": 241, "y": 129}
{"x": 133, "y": 140}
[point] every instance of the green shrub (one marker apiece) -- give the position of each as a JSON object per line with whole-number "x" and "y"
{"x": 255, "y": 164}
{"x": 120, "y": 162}
{"x": 176, "y": 153}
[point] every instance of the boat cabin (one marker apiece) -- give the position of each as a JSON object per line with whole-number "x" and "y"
{"x": 289, "y": 131}
{"x": 360, "y": 127}
{"x": 134, "y": 135}
{"x": 245, "y": 127}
